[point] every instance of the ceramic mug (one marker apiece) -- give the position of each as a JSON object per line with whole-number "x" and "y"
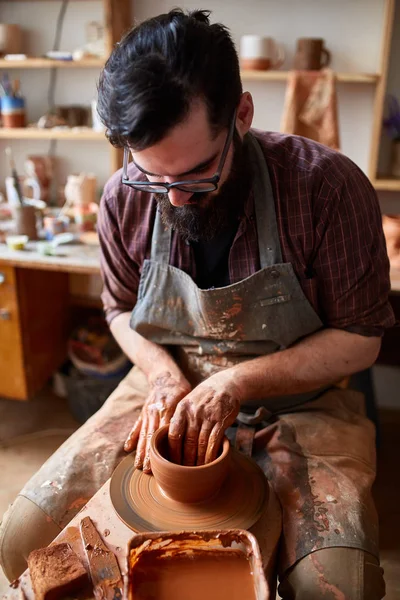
{"x": 25, "y": 183}
{"x": 260, "y": 53}
{"x": 10, "y": 39}
{"x": 311, "y": 54}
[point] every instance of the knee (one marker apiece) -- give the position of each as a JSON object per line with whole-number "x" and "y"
{"x": 346, "y": 573}
{"x": 24, "y": 528}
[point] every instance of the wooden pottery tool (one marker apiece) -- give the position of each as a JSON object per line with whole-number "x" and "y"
{"x": 103, "y": 565}
{"x": 14, "y": 174}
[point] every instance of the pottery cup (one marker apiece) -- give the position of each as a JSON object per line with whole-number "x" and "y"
{"x": 260, "y": 53}
{"x": 10, "y": 39}
{"x": 311, "y": 54}
{"x": 186, "y": 484}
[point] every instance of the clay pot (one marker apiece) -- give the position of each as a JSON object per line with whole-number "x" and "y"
{"x": 186, "y": 484}
{"x": 391, "y": 229}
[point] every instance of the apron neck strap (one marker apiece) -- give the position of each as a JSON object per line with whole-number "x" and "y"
{"x": 160, "y": 241}
{"x": 269, "y": 245}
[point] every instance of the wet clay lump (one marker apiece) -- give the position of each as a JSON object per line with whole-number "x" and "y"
{"x": 202, "y": 576}
{"x": 56, "y": 571}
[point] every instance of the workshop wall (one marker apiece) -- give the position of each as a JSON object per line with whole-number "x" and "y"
{"x": 351, "y": 29}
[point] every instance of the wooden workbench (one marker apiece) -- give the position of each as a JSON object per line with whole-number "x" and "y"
{"x": 34, "y": 313}
{"x": 70, "y": 258}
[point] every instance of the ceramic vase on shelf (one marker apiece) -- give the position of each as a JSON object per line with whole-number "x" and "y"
{"x": 395, "y": 161}
{"x": 80, "y": 194}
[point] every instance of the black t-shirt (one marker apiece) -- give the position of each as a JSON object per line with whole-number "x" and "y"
{"x": 212, "y": 270}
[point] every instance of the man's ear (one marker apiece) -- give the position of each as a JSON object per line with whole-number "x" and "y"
{"x": 244, "y": 114}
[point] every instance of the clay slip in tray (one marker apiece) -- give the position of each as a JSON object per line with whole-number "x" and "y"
{"x": 205, "y": 565}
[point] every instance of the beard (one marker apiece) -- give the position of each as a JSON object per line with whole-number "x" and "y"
{"x": 210, "y": 213}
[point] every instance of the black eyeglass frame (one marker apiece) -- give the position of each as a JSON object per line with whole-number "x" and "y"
{"x": 161, "y": 188}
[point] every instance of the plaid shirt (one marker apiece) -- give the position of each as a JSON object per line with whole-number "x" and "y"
{"x": 329, "y": 224}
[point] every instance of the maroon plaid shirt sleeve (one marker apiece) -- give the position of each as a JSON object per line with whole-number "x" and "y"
{"x": 351, "y": 263}
{"x": 119, "y": 271}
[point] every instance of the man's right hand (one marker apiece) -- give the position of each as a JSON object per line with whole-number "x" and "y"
{"x": 166, "y": 391}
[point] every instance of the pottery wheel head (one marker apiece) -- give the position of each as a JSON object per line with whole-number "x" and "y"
{"x": 141, "y": 505}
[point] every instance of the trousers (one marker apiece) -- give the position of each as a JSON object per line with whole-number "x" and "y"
{"x": 321, "y": 570}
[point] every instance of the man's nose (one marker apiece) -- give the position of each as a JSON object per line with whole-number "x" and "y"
{"x": 179, "y": 197}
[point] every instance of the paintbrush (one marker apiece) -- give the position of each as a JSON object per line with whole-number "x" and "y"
{"x": 15, "y": 86}
{"x": 14, "y": 174}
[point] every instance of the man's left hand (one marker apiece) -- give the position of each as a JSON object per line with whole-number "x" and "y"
{"x": 197, "y": 428}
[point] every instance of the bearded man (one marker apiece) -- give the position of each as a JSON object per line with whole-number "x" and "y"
{"x": 245, "y": 275}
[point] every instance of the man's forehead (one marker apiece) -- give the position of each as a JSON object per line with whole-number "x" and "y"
{"x": 185, "y": 147}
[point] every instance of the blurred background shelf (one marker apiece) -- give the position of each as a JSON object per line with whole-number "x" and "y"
{"x": 46, "y": 83}
{"x": 248, "y": 75}
{"x": 386, "y": 184}
{"x": 32, "y": 133}
{"x": 47, "y": 63}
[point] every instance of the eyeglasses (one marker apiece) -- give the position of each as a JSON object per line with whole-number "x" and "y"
{"x": 190, "y": 185}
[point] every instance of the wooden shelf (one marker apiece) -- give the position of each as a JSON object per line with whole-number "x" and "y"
{"x": 32, "y": 133}
{"x": 47, "y": 63}
{"x": 248, "y": 75}
{"x": 386, "y": 184}
{"x": 44, "y": 0}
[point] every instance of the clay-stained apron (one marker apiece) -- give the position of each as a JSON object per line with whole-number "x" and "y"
{"x": 325, "y": 495}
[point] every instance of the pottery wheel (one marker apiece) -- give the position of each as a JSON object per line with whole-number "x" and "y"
{"x": 142, "y": 506}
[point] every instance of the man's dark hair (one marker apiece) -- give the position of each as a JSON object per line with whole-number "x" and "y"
{"x": 158, "y": 69}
